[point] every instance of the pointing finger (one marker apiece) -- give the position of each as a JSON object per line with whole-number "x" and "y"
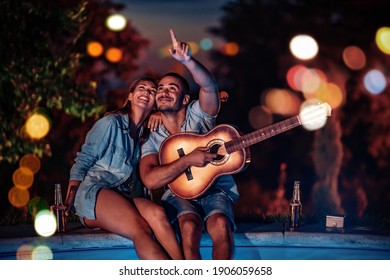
{"x": 173, "y": 37}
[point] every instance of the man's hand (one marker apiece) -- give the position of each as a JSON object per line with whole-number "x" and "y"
{"x": 180, "y": 50}
{"x": 200, "y": 157}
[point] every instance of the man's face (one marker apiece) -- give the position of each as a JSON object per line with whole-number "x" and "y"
{"x": 170, "y": 96}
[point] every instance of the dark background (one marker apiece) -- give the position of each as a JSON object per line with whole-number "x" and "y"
{"x": 343, "y": 168}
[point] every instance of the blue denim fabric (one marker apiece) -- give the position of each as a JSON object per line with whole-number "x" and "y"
{"x": 106, "y": 160}
{"x": 211, "y": 203}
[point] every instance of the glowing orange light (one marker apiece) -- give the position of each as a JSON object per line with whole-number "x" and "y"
{"x": 335, "y": 96}
{"x": 31, "y": 162}
{"x": 23, "y": 178}
{"x": 224, "y": 96}
{"x": 230, "y": 49}
{"x": 354, "y": 57}
{"x": 281, "y": 101}
{"x": 37, "y": 126}
{"x": 114, "y": 55}
{"x": 331, "y": 94}
{"x": 18, "y": 197}
{"x": 94, "y": 49}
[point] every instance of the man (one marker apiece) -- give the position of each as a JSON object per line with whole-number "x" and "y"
{"x": 213, "y": 210}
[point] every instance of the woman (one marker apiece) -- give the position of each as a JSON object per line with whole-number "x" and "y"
{"x": 107, "y": 192}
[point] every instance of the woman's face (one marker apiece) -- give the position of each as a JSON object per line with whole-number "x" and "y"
{"x": 143, "y": 95}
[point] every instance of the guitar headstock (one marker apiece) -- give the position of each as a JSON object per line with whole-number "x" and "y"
{"x": 314, "y": 116}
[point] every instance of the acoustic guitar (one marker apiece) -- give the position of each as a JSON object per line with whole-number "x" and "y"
{"x": 230, "y": 147}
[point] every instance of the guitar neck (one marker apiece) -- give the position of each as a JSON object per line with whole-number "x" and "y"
{"x": 262, "y": 134}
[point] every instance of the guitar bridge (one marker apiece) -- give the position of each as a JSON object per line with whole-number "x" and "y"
{"x": 188, "y": 170}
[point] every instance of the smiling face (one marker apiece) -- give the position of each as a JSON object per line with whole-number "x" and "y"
{"x": 143, "y": 94}
{"x": 170, "y": 96}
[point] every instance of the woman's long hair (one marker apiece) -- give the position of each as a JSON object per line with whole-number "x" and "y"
{"x": 126, "y": 108}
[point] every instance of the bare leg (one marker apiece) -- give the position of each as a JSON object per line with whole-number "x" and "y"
{"x": 219, "y": 228}
{"x": 191, "y": 232}
{"x": 155, "y": 216}
{"x": 115, "y": 214}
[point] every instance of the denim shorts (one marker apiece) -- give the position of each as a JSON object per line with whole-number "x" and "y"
{"x": 212, "y": 202}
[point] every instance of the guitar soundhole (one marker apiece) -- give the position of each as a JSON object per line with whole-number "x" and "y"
{"x": 215, "y": 147}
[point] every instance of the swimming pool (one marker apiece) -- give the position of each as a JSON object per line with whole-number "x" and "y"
{"x": 271, "y": 245}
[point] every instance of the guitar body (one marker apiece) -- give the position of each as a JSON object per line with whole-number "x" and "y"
{"x": 196, "y": 180}
{"x": 231, "y": 148}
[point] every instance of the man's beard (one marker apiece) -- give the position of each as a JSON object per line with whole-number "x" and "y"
{"x": 171, "y": 108}
{"x": 167, "y": 109}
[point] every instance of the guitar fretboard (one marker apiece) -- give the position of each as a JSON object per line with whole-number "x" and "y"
{"x": 261, "y": 134}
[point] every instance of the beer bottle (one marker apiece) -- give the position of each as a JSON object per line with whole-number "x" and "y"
{"x": 59, "y": 209}
{"x": 295, "y": 206}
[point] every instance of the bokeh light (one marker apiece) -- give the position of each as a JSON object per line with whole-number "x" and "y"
{"x": 45, "y": 223}
{"x": 37, "y": 204}
{"x": 194, "y": 47}
{"x": 37, "y": 125}
{"x": 294, "y": 77}
{"x": 116, "y": 22}
{"x": 31, "y": 162}
{"x": 164, "y": 52}
{"x": 18, "y": 197}
{"x": 114, "y": 55}
{"x": 206, "y": 44}
{"x": 94, "y": 49}
{"x": 23, "y": 178}
{"x": 313, "y": 114}
{"x": 259, "y": 116}
{"x": 230, "y": 49}
{"x": 224, "y": 96}
{"x": 42, "y": 252}
{"x": 281, "y": 101}
{"x": 303, "y": 47}
{"x": 382, "y": 39}
{"x": 331, "y": 94}
{"x": 375, "y": 81}
{"x": 310, "y": 80}
{"x": 24, "y": 252}
{"x": 354, "y": 58}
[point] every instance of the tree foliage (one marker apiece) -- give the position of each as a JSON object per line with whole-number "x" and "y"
{"x": 38, "y": 65}
{"x": 44, "y": 65}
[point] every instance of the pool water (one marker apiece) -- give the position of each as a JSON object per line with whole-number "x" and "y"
{"x": 251, "y": 244}
{"x": 241, "y": 253}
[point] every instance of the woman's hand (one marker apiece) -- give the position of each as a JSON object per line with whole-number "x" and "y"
{"x": 154, "y": 121}
{"x": 72, "y": 189}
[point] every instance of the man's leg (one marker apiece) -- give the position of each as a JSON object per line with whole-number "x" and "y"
{"x": 219, "y": 212}
{"x": 191, "y": 229}
{"x": 220, "y": 231}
